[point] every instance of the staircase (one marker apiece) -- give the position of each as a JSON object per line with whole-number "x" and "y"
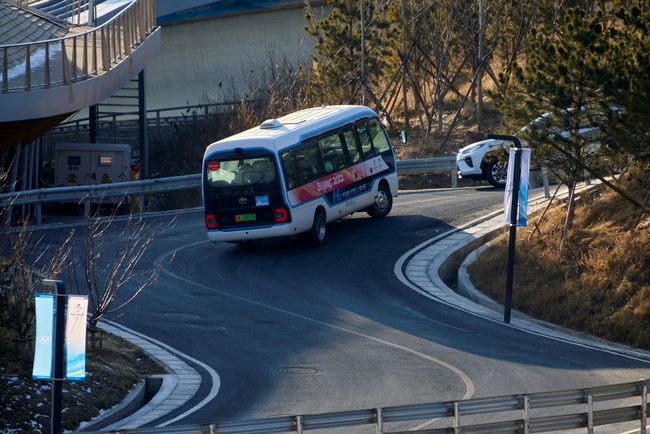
{"x": 50, "y": 66}
{"x": 76, "y": 11}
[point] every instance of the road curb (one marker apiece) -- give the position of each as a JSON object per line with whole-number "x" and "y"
{"x": 426, "y": 268}
{"x": 176, "y": 390}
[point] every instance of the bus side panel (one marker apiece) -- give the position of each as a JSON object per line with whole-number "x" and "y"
{"x": 303, "y": 216}
{"x": 393, "y": 183}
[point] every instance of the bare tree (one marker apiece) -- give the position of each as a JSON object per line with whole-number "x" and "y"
{"x": 111, "y": 265}
{"x": 25, "y": 259}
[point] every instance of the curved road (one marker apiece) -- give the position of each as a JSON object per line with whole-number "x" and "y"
{"x": 293, "y": 329}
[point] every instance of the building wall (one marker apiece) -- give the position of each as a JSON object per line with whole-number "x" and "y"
{"x": 202, "y": 61}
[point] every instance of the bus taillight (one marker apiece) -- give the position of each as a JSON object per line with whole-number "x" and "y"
{"x": 280, "y": 215}
{"x": 211, "y": 221}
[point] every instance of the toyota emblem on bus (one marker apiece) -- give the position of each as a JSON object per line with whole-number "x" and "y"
{"x": 243, "y": 201}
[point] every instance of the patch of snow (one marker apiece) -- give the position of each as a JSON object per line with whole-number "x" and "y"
{"x": 36, "y": 59}
{"x": 86, "y": 423}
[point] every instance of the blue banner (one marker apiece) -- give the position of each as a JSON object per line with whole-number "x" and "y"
{"x": 75, "y": 337}
{"x": 522, "y": 208}
{"x": 44, "y": 342}
{"x": 523, "y": 187}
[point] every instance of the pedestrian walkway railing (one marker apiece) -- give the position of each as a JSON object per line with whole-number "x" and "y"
{"x": 77, "y": 56}
{"x": 525, "y": 413}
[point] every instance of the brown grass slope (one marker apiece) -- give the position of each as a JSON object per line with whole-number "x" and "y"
{"x": 110, "y": 372}
{"x": 601, "y": 283}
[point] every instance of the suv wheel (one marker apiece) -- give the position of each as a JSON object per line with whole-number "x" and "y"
{"x": 496, "y": 173}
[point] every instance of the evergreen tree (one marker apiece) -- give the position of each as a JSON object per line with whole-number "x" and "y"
{"x": 587, "y": 87}
{"x": 560, "y": 88}
{"x": 628, "y": 91}
{"x": 336, "y": 68}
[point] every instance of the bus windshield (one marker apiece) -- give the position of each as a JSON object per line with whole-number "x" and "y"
{"x": 234, "y": 172}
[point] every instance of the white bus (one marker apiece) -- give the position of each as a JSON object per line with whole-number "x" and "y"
{"x": 295, "y": 174}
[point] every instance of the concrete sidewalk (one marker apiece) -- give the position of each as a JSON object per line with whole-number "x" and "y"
{"x": 426, "y": 267}
{"x": 179, "y": 385}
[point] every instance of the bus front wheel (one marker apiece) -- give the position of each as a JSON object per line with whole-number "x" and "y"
{"x": 383, "y": 202}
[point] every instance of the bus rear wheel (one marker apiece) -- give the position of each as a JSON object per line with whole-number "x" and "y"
{"x": 318, "y": 232}
{"x": 383, "y": 202}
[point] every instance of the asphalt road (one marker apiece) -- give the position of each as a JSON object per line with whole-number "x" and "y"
{"x": 292, "y": 329}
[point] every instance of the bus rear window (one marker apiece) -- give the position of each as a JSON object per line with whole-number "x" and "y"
{"x": 238, "y": 172}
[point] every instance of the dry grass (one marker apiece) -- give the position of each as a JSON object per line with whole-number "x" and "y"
{"x": 601, "y": 285}
{"x": 111, "y": 372}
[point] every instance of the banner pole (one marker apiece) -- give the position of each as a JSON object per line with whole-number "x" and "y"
{"x": 513, "y": 236}
{"x": 514, "y": 207}
{"x": 59, "y": 334}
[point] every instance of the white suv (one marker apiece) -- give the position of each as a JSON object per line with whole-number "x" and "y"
{"x": 479, "y": 161}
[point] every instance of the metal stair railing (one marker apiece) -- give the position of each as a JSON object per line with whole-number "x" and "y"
{"x": 76, "y": 57}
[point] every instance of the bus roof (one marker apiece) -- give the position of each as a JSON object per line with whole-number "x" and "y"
{"x": 281, "y": 133}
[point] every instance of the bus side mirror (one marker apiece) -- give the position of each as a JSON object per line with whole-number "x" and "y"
{"x": 402, "y": 137}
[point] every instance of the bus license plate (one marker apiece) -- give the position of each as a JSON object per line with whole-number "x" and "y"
{"x": 245, "y": 217}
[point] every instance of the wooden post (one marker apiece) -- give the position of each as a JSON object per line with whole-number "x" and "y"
{"x": 479, "y": 81}
{"x": 363, "y": 53}
{"x": 404, "y": 72}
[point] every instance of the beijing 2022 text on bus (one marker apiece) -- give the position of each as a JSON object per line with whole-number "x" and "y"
{"x": 295, "y": 174}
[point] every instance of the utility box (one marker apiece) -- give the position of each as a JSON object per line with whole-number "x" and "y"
{"x": 91, "y": 163}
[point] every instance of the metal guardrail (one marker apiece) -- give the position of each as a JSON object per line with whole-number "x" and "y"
{"x": 97, "y": 192}
{"x": 617, "y": 403}
{"x": 87, "y": 194}
{"x": 426, "y": 165}
{"x": 79, "y": 56}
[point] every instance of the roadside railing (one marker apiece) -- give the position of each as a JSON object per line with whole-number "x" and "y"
{"x": 525, "y": 413}
{"x": 97, "y": 193}
{"x": 79, "y": 56}
{"x": 87, "y": 194}
{"x": 423, "y": 165}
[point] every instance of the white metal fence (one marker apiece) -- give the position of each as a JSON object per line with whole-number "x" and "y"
{"x": 525, "y": 413}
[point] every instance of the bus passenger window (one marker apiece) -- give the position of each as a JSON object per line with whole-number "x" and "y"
{"x": 302, "y": 164}
{"x": 379, "y": 139}
{"x": 289, "y": 169}
{"x": 351, "y": 144}
{"x": 368, "y": 149}
{"x": 332, "y": 152}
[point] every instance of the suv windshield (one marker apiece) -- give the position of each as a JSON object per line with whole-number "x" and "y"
{"x": 239, "y": 172}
